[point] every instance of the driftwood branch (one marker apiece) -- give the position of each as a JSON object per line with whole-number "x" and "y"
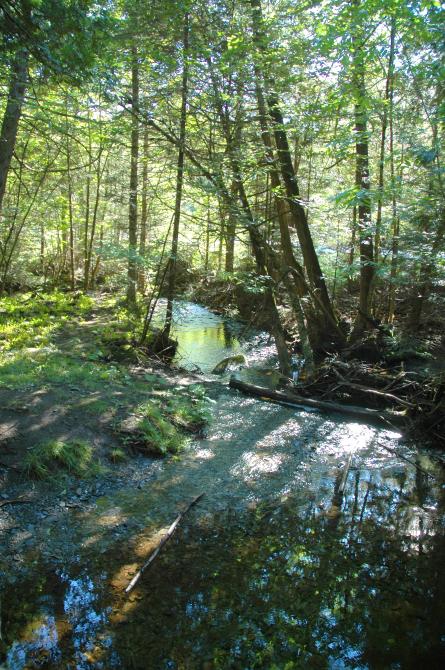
{"x": 15, "y": 501}
{"x": 365, "y": 389}
{"x": 341, "y": 488}
{"x": 165, "y": 538}
{"x": 293, "y": 400}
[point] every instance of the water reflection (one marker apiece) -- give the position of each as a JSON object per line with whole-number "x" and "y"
{"x": 341, "y": 587}
{"x": 316, "y": 546}
{"x": 43, "y": 647}
{"x": 78, "y": 632}
{"x": 205, "y": 338}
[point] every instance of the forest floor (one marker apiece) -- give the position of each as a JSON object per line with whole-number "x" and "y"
{"x": 84, "y": 535}
{"x": 59, "y": 394}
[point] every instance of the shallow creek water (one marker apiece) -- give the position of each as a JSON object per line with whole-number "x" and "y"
{"x": 205, "y": 338}
{"x": 317, "y": 544}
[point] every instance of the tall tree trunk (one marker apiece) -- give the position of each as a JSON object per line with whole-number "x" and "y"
{"x": 42, "y": 248}
{"x": 426, "y": 273}
{"x": 144, "y": 210}
{"x": 362, "y": 182}
{"x": 395, "y": 223}
{"x": 207, "y": 244}
{"x": 179, "y": 184}
{"x": 8, "y": 134}
{"x": 133, "y": 201}
{"x": 69, "y": 180}
{"x": 89, "y": 253}
{"x": 351, "y": 254}
{"x": 386, "y": 101}
{"x": 86, "y": 231}
{"x": 230, "y": 230}
{"x": 299, "y": 217}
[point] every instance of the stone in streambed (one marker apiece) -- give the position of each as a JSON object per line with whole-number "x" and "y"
{"x": 222, "y": 366}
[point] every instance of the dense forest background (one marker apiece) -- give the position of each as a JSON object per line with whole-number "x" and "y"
{"x": 288, "y": 150}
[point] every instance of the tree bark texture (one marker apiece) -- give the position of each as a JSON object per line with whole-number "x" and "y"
{"x": 133, "y": 201}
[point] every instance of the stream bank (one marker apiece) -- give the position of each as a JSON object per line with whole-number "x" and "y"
{"x": 317, "y": 544}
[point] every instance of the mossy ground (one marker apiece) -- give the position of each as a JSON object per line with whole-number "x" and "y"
{"x": 60, "y": 384}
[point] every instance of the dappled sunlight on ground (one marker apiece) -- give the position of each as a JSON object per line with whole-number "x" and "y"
{"x": 316, "y": 544}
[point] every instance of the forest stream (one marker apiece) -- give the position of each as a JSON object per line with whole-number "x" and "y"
{"x": 317, "y": 544}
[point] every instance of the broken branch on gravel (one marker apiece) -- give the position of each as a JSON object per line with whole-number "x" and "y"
{"x": 163, "y": 541}
{"x": 15, "y": 501}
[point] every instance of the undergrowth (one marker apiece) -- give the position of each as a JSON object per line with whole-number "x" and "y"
{"x": 159, "y": 434}
{"x": 30, "y": 320}
{"x": 46, "y": 343}
{"x": 164, "y": 424}
{"x": 190, "y": 410}
{"x": 29, "y": 346}
{"x": 50, "y": 459}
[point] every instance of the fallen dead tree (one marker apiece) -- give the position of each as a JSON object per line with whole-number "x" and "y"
{"x": 411, "y": 401}
{"x": 290, "y": 398}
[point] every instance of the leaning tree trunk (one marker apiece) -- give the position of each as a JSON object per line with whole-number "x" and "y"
{"x": 232, "y": 134}
{"x": 179, "y": 184}
{"x": 311, "y": 321}
{"x": 11, "y": 117}
{"x": 133, "y": 202}
{"x": 287, "y": 170}
{"x": 257, "y": 241}
{"x": 263, "y": 267}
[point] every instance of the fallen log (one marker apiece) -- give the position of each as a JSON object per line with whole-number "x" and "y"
{"x": 165, "y": 538}
{"x": 294, "y": 400}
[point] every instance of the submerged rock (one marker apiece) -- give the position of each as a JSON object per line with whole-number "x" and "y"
{"x": 229, "y": 361}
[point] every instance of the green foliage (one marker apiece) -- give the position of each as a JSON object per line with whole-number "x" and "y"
{"x": 250, "y": 281}
{"x": 117, "y": 455}
{"x": 28, "y": 320}
{"x": 189, "y": 409}
{"x": 162, "y": 424}
{"x": 50, "y": 459}
{"x": 158, "y": 433}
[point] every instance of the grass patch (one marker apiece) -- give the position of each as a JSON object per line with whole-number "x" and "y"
{"x": 190, "y": 410}
{"x": 159, "y": 434}
{"x": 117, "y": 455}
{"x": 52, "y": 367}
{"x": 96, "y": 406}
{"x": 160, "y": 426}
{"x": 29, "y": 320}
{"x": 49, "y": 459}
